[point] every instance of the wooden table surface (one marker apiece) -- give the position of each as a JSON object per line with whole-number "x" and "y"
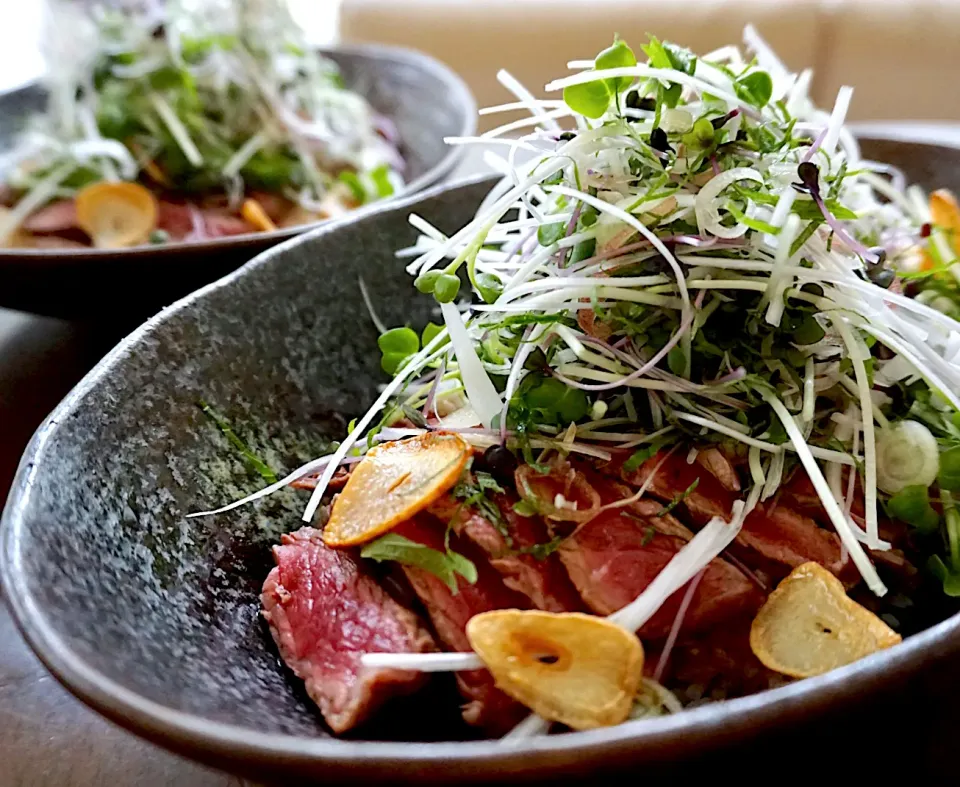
{"x": 50, "y": 739}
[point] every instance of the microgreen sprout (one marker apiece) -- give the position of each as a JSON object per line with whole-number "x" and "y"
{"x": 706, "y": 262}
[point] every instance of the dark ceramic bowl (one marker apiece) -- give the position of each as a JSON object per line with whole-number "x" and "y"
{"x": 152, "y": 618}
{"x": 424, "y": 98}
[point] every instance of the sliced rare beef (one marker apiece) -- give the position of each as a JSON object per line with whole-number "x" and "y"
{"x": 55, "y": 217}
{"x": 542, "y": 580}
{"x": 613, "y": 558}
{"x": 715, "y": 462}
{"x": 183, "y": 221}
{"x": 653, "y": 513}
{"x": 780, "y": 536}
{"x": 798, "y": 493}
{"x": 486, "y": 706}
{"x": 718, "y": 663}
{"x": 325, "y": 612}
{"x": 673, "y": 478}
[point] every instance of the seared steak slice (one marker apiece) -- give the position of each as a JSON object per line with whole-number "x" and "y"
{"x": 778, "y": 535}
{"x": 674, "y": 477}
{"x": 613, "y": 558}
{"x": 325, "y": 612}
{"x": 612, "y": 491}
{"x": 721, "y": 661}
{"x": 714, "y": 461}
{"x": 55, "y": 217}
{"x": 542, "y": 580}
{"x": 798, "y": 493}
{"x": 486, "y": 707}
{"x": 781, "y": 535}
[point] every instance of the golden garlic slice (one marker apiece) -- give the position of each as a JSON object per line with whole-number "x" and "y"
{"x": 809, "y": 626}
{"x": 580, "y": 670}
{"x": 116, "y": 215}
{"x": 946, "y": 214}
{"x": 393, "y": 482}
{"x": 253, "y": 212}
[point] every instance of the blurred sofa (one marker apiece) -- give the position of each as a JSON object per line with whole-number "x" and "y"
{"x": 901, "y": 56}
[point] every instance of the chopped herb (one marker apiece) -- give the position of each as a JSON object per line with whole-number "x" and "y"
{"x": 678, "y": 499}
{"x": 475, "y": 494}
{"x": 543, "y": 551}
{"x": 525, "y": 508}
{"x": 446, "y": 566}
{"x": 641, "y": 455}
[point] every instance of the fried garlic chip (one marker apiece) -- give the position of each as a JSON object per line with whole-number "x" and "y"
{"x": 809, "y": 626}
{"x": 580, "y": 670}
{"x": 392, "y": 483}
{"x": 116, "y": 215}
{"x": 946, "y": 214}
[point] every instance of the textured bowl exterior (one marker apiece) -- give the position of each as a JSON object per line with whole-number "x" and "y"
{"x": 152, "y": 618}
{"x": 423, "y": 97}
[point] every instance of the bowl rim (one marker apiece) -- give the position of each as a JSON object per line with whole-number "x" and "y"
{"x": 696, "y": 729}
{"x": 460, "y": 95}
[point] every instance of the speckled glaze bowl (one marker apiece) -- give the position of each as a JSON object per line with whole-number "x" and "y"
{"x": 425, "y": 100}
{"x": 152, "y": 618}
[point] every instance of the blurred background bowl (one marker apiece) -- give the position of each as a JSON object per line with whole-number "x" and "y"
{"x": 424, "y": 98}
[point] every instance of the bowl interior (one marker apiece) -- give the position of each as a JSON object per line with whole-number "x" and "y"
{"x": 100, "y": 562}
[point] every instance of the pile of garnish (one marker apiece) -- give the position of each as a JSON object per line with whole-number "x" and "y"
{"x": 211, "y": 103}
{"x": 684, "y": 254}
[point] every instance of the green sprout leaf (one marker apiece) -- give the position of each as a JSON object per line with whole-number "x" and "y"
{"x": 949, "y": 575}
{"x": 677, "y": 361}
{"x": 430, "y": 333}
{"x": 446, "y": 566}
{"x": 949, "y": 476}
{"x": 446, "y": 287}
{"x": 657, "y": 54}
{"x": 661, "y": 55}
{"x": 352, "y": 182}
{"x": 425, "y": 282}
{"x": 381, "y": 181}
{"x": 399, "y": 340}
{"x": 552, "y": 401}
{"x": 912, "y": 505}
{"x": 809, "y": 331}
{"x": 754, "y": 88}
{"x": 641, "y": 455}
{"x": 618, "y": 55}
{"x": 489, "y": 287}
{"x": 548, "y": 234}
{"x": 584, "y": 250}
{"x": 397, "y": 345}
{"x": 701, "y": 137}
{"x": 524, "y": 508}
{"x": 589, "y": 99}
